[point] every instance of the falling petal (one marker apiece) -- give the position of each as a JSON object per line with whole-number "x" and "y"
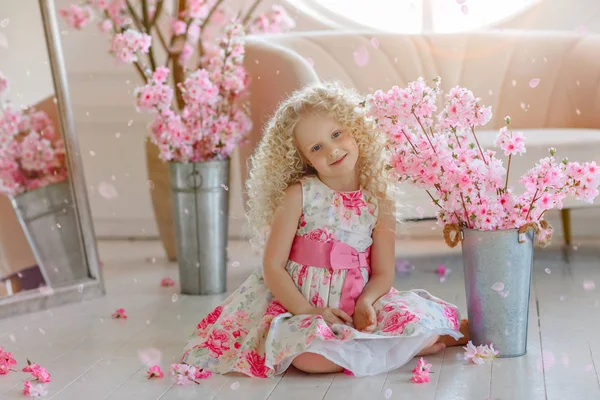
{"x": 464, "y": 9}
{"x": 589, "y": 285}
{"x": 361, "y": 56}
{"x": 42, "y": 331}
{"x": 547, "y": 362}
{"x": 235, "y": 385}
{"x": 577, "y": 111}
{"x": 4, "y": 23}
{"x": 534, "y": 82}
{"x": 151, "y": 356}
{"x": 107, "y": 190}
{"x": 80, "y": 288}
{"x": 388, "y": 393}
{"x": 224, "y": 186}
{"x": 3, "y": 41}
{"x": 130, "y": 122}
{"x": 420, "y": 211}
{"x": 548, "y": 271}
{"x": 375, "y": 42}
{"x": 514, "y": 83}
{"x": 174, "y": 297}
{"x": 498, "y": 286}
{"x": 235, "y": 264}
{"x": 150, "y": 184}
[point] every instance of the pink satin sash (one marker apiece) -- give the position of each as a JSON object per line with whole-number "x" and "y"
{"x": 335, "y": 256}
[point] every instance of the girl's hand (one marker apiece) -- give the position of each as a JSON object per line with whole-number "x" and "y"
{"x": 365, "y": 318}
{"x": 332, "y": 315}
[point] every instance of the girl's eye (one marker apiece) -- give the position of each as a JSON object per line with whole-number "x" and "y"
{"x": 316, "y": 148}
{"x": 336, "y": 134}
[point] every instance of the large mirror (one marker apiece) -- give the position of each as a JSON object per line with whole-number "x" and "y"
{"x": 48, "y": 252}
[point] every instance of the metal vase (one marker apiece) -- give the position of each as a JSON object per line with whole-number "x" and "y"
{"x": 47, "y": 216}
{"x": 498, "y": 280}
{"x": 201, "y": 211}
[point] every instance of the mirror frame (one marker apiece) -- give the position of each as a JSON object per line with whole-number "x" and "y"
{"x": 45, "y": 298}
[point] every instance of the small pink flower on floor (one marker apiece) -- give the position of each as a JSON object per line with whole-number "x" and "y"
{"x": 120, "y": 313}
{"x": 441, "y": 270}
{"x": 155, "y": 372}
{"x": 39, "y": 373}
{"x": 421, "y": 372}
{"x": 34, "y": 390}
{"x": 6, "y": 361}
{"x": 167, "y": 282}
{"x": 185, "y": 374}
{"x": 477, "y": 355}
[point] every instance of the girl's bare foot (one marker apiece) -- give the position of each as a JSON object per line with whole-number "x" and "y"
{"x": 449, "y": 341}
{"x": 436, "y": 348}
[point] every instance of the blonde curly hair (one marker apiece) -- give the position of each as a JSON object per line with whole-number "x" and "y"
{"x": 277, "y": 164}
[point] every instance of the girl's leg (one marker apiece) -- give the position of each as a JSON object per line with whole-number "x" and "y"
{"x": 312, "y": 363}
{"x": 449, "y": 341}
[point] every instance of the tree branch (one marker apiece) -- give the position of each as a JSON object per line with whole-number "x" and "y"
{"x": 147, "y": 27}
{"x": 251, "y": 11}
{"x": 134, "y": 16}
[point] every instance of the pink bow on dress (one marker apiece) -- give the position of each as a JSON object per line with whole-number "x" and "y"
{"x": 335, "y": 256}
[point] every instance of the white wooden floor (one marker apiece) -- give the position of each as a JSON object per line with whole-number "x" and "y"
{"x": 91, "y": 356}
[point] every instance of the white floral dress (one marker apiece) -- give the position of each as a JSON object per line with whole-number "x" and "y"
{"x": 252, "y": 333}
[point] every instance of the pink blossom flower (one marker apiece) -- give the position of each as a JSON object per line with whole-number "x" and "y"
{"x": 185, "y": 374}
{"x": 441, "y": 270}
{"x": 477, "y": 355}
{"x": 6, "y": 361}
{"x": 421, "y": 372}
{"x": 155, "y": 372}
{"x": 120, "y": 313}
{"x": 126, "y": 45}
{"x": 34, "y": 390}
{"x": 77, "y": 16}
{"x": 39, "y": 373}
{"x": 3, "y": 83}
{"x": 167, "y": 282}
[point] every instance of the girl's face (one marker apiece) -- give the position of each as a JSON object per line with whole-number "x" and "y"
{"x": 326, "y": 145}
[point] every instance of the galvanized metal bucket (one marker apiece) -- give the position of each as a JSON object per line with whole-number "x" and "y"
{"x": 49, "y": 221}
{"x": 201, "y": 210}
{"x": 498, "y": 280}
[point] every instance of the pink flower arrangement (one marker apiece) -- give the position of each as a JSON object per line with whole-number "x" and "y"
{"x": 440, "y": 153}
{"x": 477, "y": 355}
{"x": 31, "y": 156}
{"x": 201, "y": 113}
{"x": 421, "y": 372}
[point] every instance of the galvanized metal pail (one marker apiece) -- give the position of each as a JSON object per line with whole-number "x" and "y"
{"x": 498, "y": 280}
{"x": 201, "y": 210}
{"x": 49, "y": 221}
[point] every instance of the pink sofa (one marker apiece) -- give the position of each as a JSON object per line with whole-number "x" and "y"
{"x": 497, "y": 66}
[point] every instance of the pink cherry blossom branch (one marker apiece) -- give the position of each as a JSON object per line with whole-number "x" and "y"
{"x": 425, "y": 132}
{"x": 205, "y": 24}
{"x": 147, "y": 27}
{"x": 477, "y": 141}
{"x": 250, "y": 12}
{"x": 136, "y": 64}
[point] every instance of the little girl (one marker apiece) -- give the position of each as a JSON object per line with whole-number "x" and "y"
{"x": 323, "y": 300}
